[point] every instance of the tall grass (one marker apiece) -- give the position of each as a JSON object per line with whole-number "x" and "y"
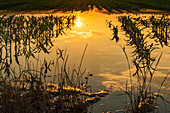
{"x": 28, "y": 35}
{"x": 32, "y": 90}
{"x": 139, "y": 90}
{"x": 26, "y": 90}
{"x": 29, "y": 88}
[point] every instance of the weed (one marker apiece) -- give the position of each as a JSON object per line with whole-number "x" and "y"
{"x": 142, "y": 99}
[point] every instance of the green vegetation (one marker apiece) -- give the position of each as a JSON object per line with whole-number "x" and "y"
{"x": 29, "y": 35}
{"x": 70, "y": 5}
{"x": 29, "y": 5}
{"x": 28, "y": 87}
{"x": 135, "y": 5}
{"x": 139, "y": 90}
{"x": 28, "y": 91}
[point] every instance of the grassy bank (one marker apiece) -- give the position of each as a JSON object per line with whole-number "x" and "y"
{"x": 25, "y": 5}
{"x": 135, "y": 5}
{"x": 65, "y": 5}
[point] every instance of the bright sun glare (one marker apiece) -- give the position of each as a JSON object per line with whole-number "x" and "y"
{"x": 78, "y": 23}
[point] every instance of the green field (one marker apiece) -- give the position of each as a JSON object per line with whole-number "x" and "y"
{"x": 29, "y": 5}
{"x": 129, "y": 5}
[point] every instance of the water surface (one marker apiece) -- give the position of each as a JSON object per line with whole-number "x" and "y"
{"x": 104, "y": 58}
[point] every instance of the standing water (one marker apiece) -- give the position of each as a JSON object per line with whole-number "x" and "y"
{"x": 103, "y": 57}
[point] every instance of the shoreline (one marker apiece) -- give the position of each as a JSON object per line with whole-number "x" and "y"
{"x": 54, "y": 11}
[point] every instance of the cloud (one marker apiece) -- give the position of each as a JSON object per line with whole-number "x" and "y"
{"x": 82, "y": 34}
{"x": 119, "y": 81}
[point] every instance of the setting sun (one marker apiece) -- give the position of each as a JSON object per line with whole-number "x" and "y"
{"x": 78, "y": 23}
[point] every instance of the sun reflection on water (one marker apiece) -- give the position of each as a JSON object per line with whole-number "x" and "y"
{"x": 78, "y": 23}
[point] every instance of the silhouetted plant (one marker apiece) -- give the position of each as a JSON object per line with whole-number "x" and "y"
{"x": 29, "y": 35}
{"x": 33, "y": 90}
{"x": 141, "y": 96}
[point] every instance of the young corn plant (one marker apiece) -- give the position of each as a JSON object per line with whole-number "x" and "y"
{"x": 27, "y": 90}
{"x": 28, "y": 35}
{"x": 142, "y": 99}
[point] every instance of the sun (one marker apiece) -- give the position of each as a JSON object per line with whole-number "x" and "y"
{"x": 78, "y": 23}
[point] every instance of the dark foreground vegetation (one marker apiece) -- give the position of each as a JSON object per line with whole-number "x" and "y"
{"x": 27, "y": 87}
{"x": 139, "y": 89}
{"x": 69, "y": 5}
{"x": 30, "y": 89}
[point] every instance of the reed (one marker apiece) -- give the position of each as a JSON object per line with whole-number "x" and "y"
{"x": 29, "y": 35}
{"x": 33, "y": 90}
{"x": 139, "y": 90}
{"x": 26, "y": 91}
{"x": 29, "y": 88}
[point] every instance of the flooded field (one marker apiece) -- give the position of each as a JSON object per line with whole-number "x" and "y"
{"x": 87, "y": 40}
